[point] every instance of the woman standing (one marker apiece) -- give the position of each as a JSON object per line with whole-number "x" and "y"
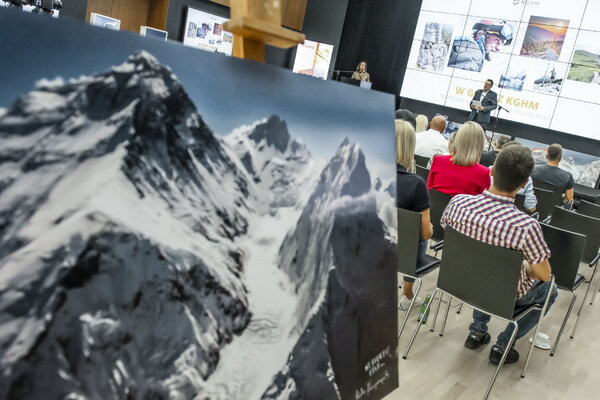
{"x": 361, "y": 73}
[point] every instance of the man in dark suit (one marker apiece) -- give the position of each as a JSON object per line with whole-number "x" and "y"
{"x": 489, "y": 102}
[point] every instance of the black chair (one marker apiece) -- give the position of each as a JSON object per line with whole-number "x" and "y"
{"x": 409, "y": 232}
{"x": 520, "y": 202}
{"x": 589, "y": 209}
{"x": 557, "y": 192}
{"x": 485, "y": 277}
{"x": 588, "y": 226}
{"x": 566, "y": 248}
{"x": 545, "y": 203}
{"x": 422, "y": 160}
{"x": 422, "y": 172}
{"x": 438, "y": 201}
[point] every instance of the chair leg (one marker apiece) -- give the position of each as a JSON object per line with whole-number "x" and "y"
{"x": 437, "y": 310}
{"x": 582, "y": 302}
{"x": 562, "y": 327}
{"x": 410, "y": 307}
{"x": 459, "y": 308}
{"x": 537, "y": 326}
{"x": 414, "y": 335}
{"x": 446, "y": 316}
{"x": 508, "y": 347}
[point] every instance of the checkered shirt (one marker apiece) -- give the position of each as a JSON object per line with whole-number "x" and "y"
{"x": 495, "y": 220}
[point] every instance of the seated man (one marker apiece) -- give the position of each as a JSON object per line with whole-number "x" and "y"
{"x": 488, "y": 157}
{"x": 492, "y": 218}
{"x": 530, "y": 203}
{"x": 431, "y": 142}
{"x": 552, "y": 174}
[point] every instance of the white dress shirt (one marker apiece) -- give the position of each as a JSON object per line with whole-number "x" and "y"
{"x": 430, "y": 143}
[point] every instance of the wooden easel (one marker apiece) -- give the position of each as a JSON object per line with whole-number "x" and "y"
{"x": 255, "y": 23}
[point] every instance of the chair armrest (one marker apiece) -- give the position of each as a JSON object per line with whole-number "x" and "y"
{"x": 438, "y": 246}
{"x": 535, "y": 215}
{"x": 595, "y": 260}
{"x": 547, "y": 220}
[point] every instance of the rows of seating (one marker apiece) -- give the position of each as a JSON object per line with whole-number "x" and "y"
{"x": 481, "y": 264}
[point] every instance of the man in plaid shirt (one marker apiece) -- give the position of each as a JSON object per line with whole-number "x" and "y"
{"x": 492, "y": 217}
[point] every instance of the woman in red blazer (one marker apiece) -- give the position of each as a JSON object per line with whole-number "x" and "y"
{"x": 461, "y": 172}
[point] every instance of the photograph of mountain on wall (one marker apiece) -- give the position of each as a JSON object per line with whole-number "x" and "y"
{"x": 544, "y": 38}
{"x": 157, "y": 242}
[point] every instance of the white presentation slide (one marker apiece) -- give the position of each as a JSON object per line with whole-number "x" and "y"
{"x": 205, "y": 31}
{"x": 313, "y": 59}
{"x": 543, "y": 56}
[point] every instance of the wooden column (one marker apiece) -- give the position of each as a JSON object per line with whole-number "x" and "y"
{"x": 255, "y": 23}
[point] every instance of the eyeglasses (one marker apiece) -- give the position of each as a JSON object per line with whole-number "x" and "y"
{"x": 441, "y": 115}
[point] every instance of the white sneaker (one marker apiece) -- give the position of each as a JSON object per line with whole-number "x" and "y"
{"x": 542, "y": 341}
{"x": 405, "y": 303}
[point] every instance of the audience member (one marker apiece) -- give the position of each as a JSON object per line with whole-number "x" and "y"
{"x": 527, "y": 191}
{"x": 408, "y": 116}
{"x": 411, "y": 195}
{"x": 431, "y": 142}
{"x": 488, "y": 157}
{"x": 552, "y": 174}
{"x": 461, "y": 172}
{"x": 492, "y": 218}
{"x": 422, "y": 123}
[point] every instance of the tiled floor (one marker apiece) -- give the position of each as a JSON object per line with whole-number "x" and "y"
{"x": 442, "y": 368}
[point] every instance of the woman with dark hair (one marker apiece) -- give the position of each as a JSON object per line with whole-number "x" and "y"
{"x": 361, "y": 73}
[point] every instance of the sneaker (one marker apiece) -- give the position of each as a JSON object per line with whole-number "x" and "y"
{"x": 476, "y": 340}
{"x": 496, "y": 355}
{"x": 542, "y": 341}
{"x": 405, "y": 303}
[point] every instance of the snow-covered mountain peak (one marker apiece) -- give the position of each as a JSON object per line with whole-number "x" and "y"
{"x": 274, "y": 132}
{"x": 279, "y": 164}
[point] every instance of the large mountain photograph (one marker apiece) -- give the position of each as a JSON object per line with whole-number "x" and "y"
{"x": 171, "y": 234}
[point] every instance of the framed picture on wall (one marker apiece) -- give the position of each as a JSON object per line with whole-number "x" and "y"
{"x": 153, "y": 32}
{"x": 105, "y": 22}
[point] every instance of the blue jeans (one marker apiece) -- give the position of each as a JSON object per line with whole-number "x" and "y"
{"x": 420, "y": 254}
{"x": 536, "y": 295}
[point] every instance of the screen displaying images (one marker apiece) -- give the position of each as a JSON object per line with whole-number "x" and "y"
{"x": 205, "y": 31}
{"x": 105, "y": 22}
{"x": 313, "y": 59}
{"x": 543, "y": 56}
{"x": 153, "y": 32}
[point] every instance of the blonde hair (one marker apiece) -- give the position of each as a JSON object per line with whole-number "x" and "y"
{"x": 468, "y": 144}
{"x": 422, "y": 123}
{"x": 405, "y": 144}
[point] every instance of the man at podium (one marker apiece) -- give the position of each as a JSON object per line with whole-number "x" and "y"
{"x": 483, "y": 103}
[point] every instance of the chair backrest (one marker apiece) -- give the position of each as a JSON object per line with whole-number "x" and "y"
{"x": 545, "y": 202}
{"x": 438, "y": 201}
{"x": 422, "y": 172}
{"x": 589, "y": 209}
{"x": 566, "y": 248}
{"x": 480, "y": 274}
{"x": 588, "y": 226}
{"x": 422, "y": 160}
{"x": 520, "y": 202}
{"x": 557, "y": 191}
{"x": 409, "y": 232}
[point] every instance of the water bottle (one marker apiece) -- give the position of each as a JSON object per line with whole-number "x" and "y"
{"x": 422, "y": 310}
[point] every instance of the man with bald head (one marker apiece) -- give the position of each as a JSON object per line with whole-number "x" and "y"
{"x": 431, "y": 142}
